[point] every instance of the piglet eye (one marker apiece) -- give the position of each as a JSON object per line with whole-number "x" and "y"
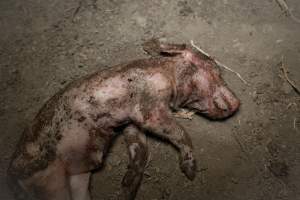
{"x": 217, "y": 71}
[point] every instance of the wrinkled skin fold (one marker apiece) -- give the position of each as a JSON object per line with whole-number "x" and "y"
{"x": 72, "y": 132}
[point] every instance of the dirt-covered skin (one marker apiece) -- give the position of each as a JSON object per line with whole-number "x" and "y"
{"x": 71, "y": 134}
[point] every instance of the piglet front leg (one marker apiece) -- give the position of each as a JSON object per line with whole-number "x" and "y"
{"x": 138, "y": 156}
{"x": 159, "y": 121}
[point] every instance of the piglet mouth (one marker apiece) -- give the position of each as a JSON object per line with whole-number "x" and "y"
{"x": 225, "y": 107}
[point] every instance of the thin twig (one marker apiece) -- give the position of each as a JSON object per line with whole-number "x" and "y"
{"x": 285, "y": 71}
{"x": 219, "y": 63}
{"x": 77, "y": 10}
{"x": 184, "y": 114}
{"x": 149, "y": 159}
{"x": 241, "y": 145}
{"x": 290, "y": 105}
{"x": 285, "y": 8}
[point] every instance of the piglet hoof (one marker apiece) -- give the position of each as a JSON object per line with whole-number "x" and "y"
{"x": 188, "y": 167}
{"x": 130, "y": 185}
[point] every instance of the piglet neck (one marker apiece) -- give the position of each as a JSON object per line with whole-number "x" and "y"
{"x": 184, "y": 85}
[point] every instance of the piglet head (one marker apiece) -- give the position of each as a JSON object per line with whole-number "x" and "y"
{"x": 210, "y": 95}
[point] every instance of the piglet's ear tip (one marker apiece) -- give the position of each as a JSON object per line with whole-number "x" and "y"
{"x": 158, "y": 47}
{"x": 152, "y": 46}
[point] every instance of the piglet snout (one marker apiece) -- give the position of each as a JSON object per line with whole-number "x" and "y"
{"x": 232, "y": 101}
{"x": 221, "y": 104}
{"x": 226, "y": 102}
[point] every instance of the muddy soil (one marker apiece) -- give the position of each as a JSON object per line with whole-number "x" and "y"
{"x": 254, "y": 155}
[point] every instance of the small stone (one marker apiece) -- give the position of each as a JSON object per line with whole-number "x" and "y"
{"x": 14, "y": 71}
{"x": 185, "y": 9}
{"x": 63, "y": 82}
{"x": 234, "y": 180}
{"x": 109, "y": 167}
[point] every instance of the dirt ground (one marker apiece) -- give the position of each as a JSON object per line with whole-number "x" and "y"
{"x": 253, "y": 155}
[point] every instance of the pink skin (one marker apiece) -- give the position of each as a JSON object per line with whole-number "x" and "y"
{"x": 217, "y": 101}
{"x": 72, "y": 132}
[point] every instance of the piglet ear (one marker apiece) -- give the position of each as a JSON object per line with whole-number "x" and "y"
{"x": 156, "y": 48}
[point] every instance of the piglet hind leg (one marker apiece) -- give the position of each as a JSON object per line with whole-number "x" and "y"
{"x": 51, "y": 183}
{"x": 79, "y": 184}
{"x": 138, "y": 156}
{"x": 162, "y": 124}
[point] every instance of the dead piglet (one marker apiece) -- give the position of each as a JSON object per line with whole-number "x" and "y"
{"x": 71, "y": 134}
